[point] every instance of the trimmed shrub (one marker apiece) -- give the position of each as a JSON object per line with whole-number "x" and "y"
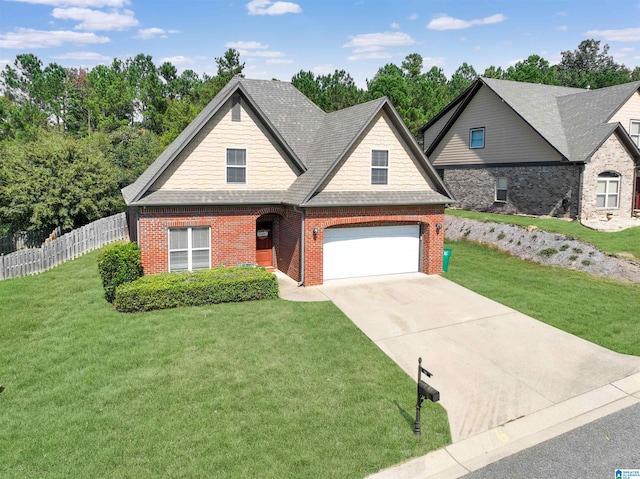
{"x": 197, "y": 288}
{"x": 118, "y": 263}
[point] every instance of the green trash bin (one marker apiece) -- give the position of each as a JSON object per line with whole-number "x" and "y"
{"x": 446, "y": 254}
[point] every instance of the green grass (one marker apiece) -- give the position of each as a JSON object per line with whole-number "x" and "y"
{"x": 599, "y": 310}
{"x": 626, "y": 242}
{"x": 269, "y": 389}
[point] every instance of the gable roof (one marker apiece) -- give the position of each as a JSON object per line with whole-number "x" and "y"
{"x": 314, "y": 140}
{"x": 572, "y": 120}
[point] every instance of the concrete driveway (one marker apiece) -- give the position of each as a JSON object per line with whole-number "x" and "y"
{"x": 491, "y": 364}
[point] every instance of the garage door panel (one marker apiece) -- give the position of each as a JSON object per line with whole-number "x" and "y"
{"x": 369, "y": 251}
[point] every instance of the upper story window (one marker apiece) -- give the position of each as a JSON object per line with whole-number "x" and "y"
{"x": 476, "y": 138}
{"x": 501, "y": 189}
{"x": 237, "y": 166}
{"x": 608, "y": 190}
{"x": 634, "y": 131}
{"x": 379, "y": 167}
{"x": 189, "y": 248}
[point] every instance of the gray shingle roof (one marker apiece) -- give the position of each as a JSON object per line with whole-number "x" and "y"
{"x": 316, "y": 142}
{"x": 377, "y": 198}
{"x": 572, "y": 120}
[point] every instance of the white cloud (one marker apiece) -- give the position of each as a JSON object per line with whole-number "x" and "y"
{"x": 87, "y": 56}
{"x": 429, "y": 62}
{"x": 370, "y": 56}
{"x": 4, "y": 62}
{"x": 266, "y": 7}
{"x": 449, "y": 23}
{"x": 279, "y": 61}
{"x": 395, "y": 26}
{"x": 78, "y": 3}
{"x": 622, "y": 35}
{"x": 563, "y": 28}
{"x": 367, "y": 41}
{"x": 154, "y": 32}
{"x": 246, "y": 45}
{"x": 260, "y": 53}
{"x": 96, "y": 20}
{"x": 25, "y": 38}
{"x": 179, "y": 60}
{"x": 413, "y": 16}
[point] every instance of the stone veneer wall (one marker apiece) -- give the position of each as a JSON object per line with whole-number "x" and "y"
{"x": 534, "y": 190}
{"x": 611, "y": 156}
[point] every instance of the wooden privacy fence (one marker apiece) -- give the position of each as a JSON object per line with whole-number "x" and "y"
{"x": 65, "y": 248}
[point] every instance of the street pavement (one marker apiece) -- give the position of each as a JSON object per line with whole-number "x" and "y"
{"x": 595, "y": 450}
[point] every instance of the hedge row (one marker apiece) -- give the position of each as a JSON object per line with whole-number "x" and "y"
{"x": 209, "y": 286}
{"x": 118, "y": 263}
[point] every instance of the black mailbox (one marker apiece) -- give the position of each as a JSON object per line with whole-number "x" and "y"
{"x": 428, "y": 392}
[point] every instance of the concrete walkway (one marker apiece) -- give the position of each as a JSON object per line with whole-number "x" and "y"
{"x": 506, "y": 380}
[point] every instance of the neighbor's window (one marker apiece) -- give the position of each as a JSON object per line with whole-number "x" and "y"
{"x": 476, "y": 138}
{"x": 236, "y": 165}
{"x": 608, "y": 190}
{"x": 634, "y": 131}
{"x": 501, "y": 189}
{"x": 379, "y": 167}
{"x": 189, "y": 249}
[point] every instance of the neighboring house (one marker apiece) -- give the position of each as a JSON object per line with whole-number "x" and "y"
{"x": 263, "y": 176}
{"x": 539, "y": 149}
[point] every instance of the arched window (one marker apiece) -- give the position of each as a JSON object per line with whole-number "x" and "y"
{"x": 608, "y": 190}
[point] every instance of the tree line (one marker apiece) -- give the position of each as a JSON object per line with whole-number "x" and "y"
{"x": 71, "y": 138}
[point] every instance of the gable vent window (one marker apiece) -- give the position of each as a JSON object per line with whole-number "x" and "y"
{"x": 380, "y": 167}
{"x": 236, "y": 166}
{"x": 501, "y": 190}
{"x": 235, "y": 108}
{"x": 608, "y": 190}
{"x": 189, "y": 248}
{"x": 476, "y": 138}
{"x": 634, "y": 131}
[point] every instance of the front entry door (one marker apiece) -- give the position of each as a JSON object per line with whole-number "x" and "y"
{"x": 637, "y": 202}
{"x": 264, "y": 242}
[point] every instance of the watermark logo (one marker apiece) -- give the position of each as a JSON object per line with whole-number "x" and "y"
{"x": 627, "y": 473}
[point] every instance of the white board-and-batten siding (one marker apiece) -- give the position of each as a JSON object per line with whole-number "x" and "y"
{"x": 508, "y": 138}
{"x": 201, "y": 165}
{"x": 354, "y": 173}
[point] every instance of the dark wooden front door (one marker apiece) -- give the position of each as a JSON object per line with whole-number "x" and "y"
{"x": 264, "y": 243}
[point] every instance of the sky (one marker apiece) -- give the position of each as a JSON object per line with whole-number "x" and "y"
{"x": 277, "y": 39}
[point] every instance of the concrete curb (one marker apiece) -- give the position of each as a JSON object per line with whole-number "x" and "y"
{"x": 475, "y": 452}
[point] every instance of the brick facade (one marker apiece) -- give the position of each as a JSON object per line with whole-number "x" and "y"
{"x": 233, "y": 233}
{"x": 532, "y": 190}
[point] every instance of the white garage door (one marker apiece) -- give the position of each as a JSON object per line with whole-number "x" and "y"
{"x": 369, "y": 251}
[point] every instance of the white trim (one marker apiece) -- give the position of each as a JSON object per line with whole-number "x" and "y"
{"x": 505, "y": 189}
{"x": 246, "y": 164}
{"x": 634, "y": 137}
{"x": 608, "y": 180}
{"x": 484, "y": 137}
{"x": 371, "y": 167}
{"x": 189, "y": 249}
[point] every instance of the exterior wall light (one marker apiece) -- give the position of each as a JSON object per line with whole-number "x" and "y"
{"x": 438, "y": 226}
{"x": 315, "y": 231}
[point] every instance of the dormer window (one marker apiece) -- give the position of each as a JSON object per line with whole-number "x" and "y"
{"x": 379, "y": 167}
{"x": 236, "y": 166}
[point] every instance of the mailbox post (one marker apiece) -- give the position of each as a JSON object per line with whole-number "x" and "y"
{"x": 424, "y": 392}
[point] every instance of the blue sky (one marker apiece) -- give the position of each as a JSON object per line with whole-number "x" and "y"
{"x": 279, "y": 38}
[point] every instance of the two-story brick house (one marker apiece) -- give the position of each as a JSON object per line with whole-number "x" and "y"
{"x": 263, "y": 176}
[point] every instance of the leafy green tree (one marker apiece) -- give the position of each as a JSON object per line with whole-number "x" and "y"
{"x": 494, "y": 72}
{"x": 463, "y": 77}
{"x": 534, "y": 69}
{"x": 229, "y": 65}
{"x": 590, "y": 66}
{"x": 111, "y": 96}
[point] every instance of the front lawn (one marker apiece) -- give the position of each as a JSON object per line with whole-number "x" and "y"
{"x": 626, "y": 242}
{"x": 269, "y": 389}
{"x": 602, "y": 311}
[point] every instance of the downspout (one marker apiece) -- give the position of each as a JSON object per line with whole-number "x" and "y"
{"x": 301, "y": 282}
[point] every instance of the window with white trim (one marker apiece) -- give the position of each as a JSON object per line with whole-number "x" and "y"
{"x": 476, "y": 138}
{"x": 379, "y": 167}
{"x": 634, "y": 131}
{"x": 189, "y": 248}
{"x": 608, "y": 190}
{"x": 236, "y": 166}
{"x": 501, "y": 190}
